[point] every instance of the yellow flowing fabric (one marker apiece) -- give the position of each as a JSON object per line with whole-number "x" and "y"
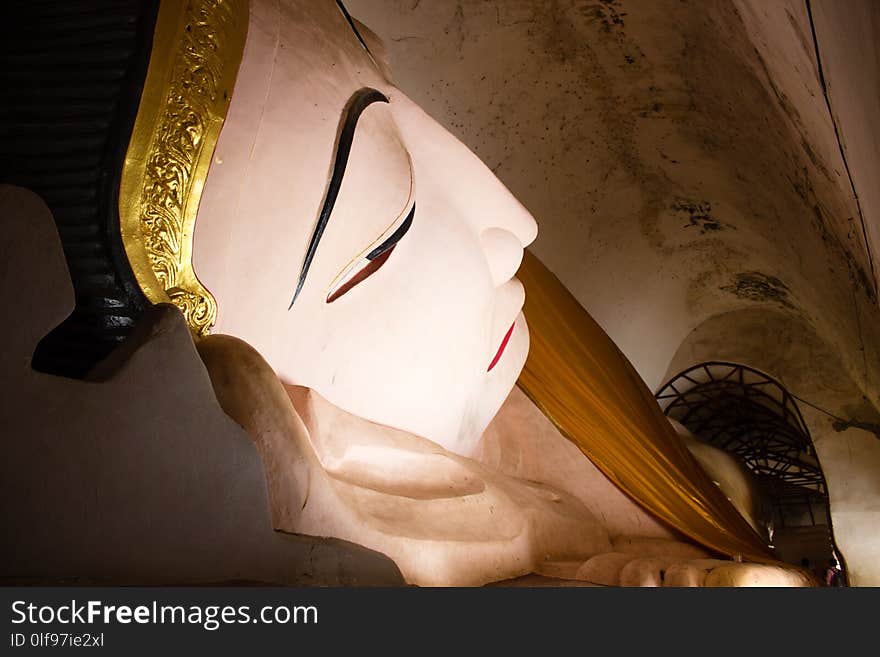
{"x": 585, "y": 385}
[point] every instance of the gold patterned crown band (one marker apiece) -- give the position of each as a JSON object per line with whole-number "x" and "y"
{"x": 197, "y": 50}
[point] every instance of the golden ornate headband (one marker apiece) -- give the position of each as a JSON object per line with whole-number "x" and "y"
{"x": 197, "y": 50}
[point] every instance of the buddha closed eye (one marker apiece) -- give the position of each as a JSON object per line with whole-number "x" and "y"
{"x": 370, "y": 263}
{"x": 374, "y": 256}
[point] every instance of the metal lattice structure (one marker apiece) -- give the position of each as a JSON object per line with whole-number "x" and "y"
{"x": 750, "y": 415}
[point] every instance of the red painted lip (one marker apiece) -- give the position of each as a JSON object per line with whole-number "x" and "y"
{"x": 502, "y": 347}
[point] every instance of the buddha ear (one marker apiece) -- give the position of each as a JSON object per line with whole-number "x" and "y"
{"x": 376, "y": 48}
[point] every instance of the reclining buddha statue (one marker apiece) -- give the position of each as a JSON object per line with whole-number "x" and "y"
{"x": 349, "y": 273}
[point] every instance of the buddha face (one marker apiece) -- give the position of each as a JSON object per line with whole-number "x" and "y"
{"x": 363, "y": 250}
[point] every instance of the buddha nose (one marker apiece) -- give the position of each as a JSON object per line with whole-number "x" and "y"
{"x": 499, "y": 210}
{"x": 504, "y": 252}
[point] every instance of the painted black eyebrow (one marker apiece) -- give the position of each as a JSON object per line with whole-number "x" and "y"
{"x": 395, "y": 237}
{"x": 359, "y": 101}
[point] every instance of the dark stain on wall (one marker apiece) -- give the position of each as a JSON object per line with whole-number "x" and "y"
{"x": 698, "y": 214}
{"x": 755, "y": 286}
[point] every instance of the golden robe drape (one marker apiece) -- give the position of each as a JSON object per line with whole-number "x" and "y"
{"x": 585, "y": 385}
